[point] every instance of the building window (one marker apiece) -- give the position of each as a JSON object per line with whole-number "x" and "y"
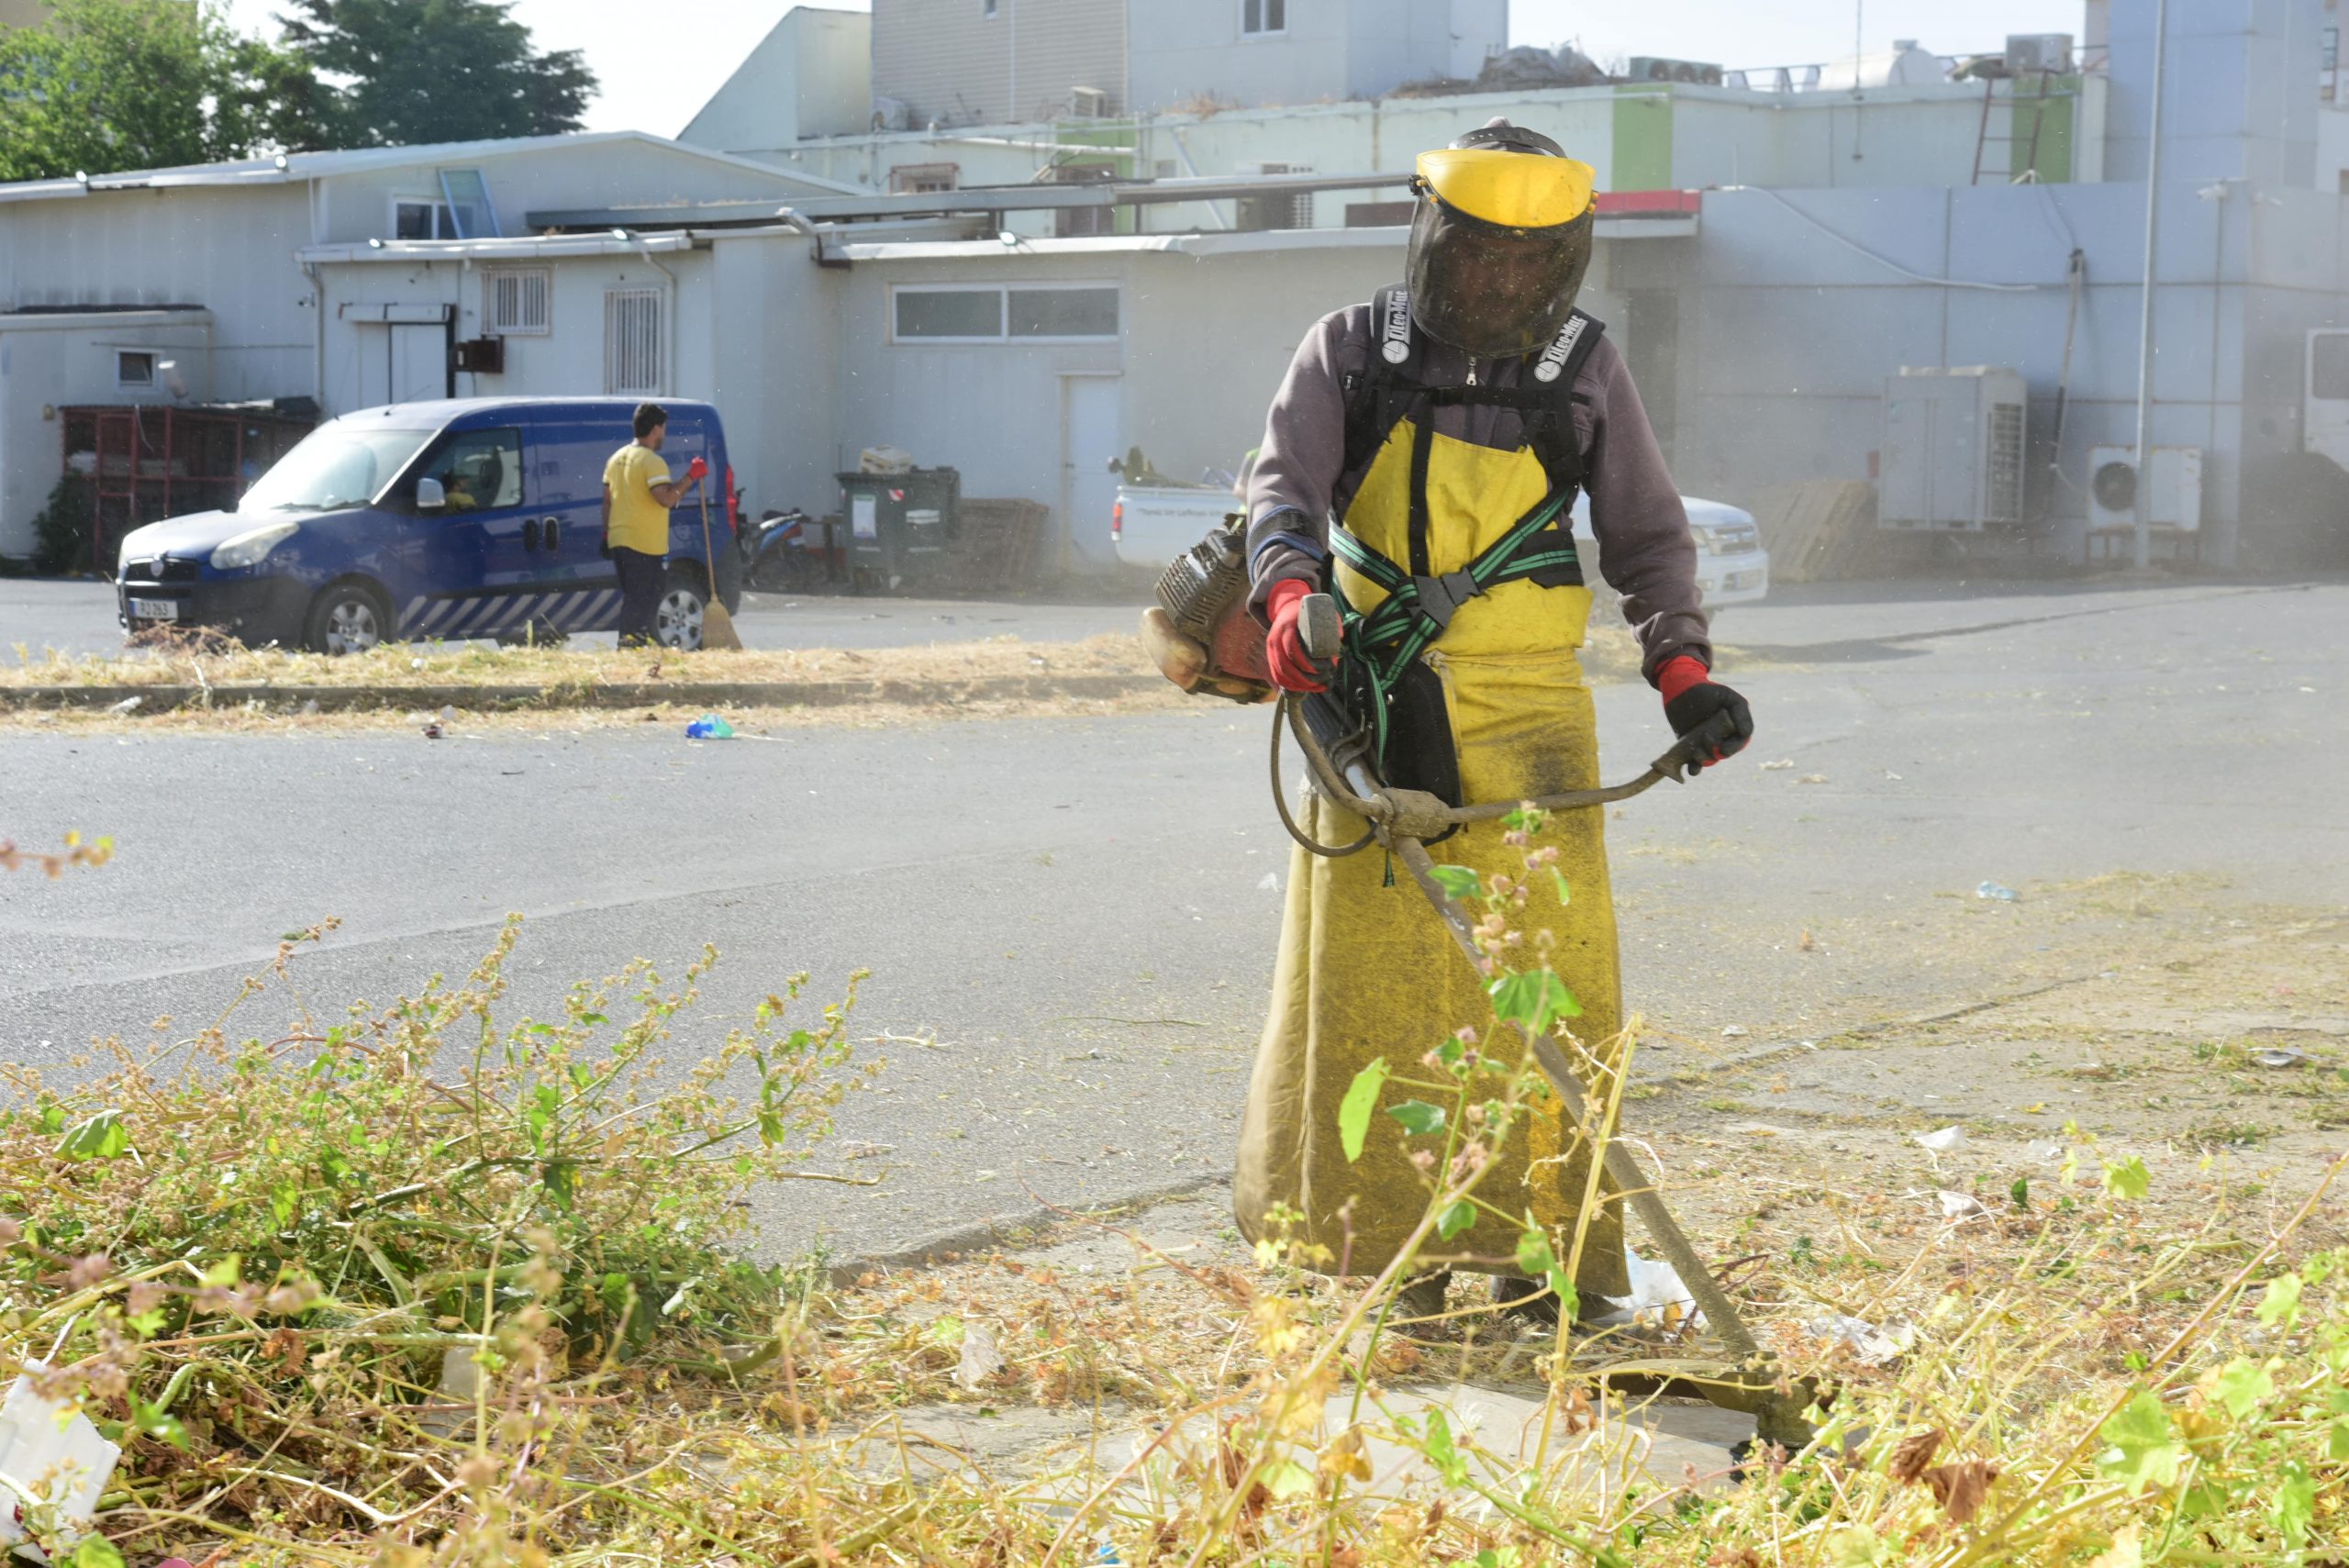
{"x": 632, "y": 343}
{"x": 1065, "y": 313}
{"x": 134, "y": 371}
{"x": 1260, "y": 18}
{"x": 953, "y": 314}
{"x": 419, "y": 219}
{"x": 917, "y": 179}
{"x": 1029, "y": 313}
{"x": 515, "y": 301}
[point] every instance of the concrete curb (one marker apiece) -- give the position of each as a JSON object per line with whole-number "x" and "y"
{"x": 1004, "y": 1229}
{"x": 162, "y": 698}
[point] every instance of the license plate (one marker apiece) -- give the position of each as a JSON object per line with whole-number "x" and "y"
{"x": 154, "y": 609}
{"x": 1740, "y": 580}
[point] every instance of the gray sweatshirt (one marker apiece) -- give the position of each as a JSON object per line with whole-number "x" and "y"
{"x": 1645, "y": 550}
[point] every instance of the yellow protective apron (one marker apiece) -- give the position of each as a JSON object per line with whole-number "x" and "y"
{"x": 1366, "y": 967}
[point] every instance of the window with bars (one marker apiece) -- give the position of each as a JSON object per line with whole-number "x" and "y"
{"x": 632, "y": 343}
{"x": 518, "y": 302}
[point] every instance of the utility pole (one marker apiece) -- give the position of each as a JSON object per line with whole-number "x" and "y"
{"x": 2142, "y": 553}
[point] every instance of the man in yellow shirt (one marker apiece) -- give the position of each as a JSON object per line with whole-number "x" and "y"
{"x": 638, "y": 496}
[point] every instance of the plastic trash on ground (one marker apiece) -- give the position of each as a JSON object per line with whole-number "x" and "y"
{"x": 2003, "y": 894}
{"x": 709, "y": 727}
{"x": 1655, "y": 1285}
{"x": 980, "y": 1360}
{"x": 52, "y": 1470}
{"x": 1943, "y": 1141}
{"x": 1960, "y": 1205}
{"x": 1874, "y": 1344}
{"x": 2280, "y": 1056}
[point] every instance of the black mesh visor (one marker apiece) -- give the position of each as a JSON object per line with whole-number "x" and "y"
{"x": 1496, "y": 293}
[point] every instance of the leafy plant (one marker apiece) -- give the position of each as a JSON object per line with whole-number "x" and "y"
{"x": 293, "y": 1257}
{"x": 61, "y": 527}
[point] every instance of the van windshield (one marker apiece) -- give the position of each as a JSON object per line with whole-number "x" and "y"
{"x": 333, "y": 467}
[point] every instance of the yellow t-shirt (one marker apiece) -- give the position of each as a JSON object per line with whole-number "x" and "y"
{"x": 638, "y": 522}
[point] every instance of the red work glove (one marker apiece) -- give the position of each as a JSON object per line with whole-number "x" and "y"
{"x": 1285, "y": 644}
{"x": 696, "y": 470}
{"x": 1691, "y": 698}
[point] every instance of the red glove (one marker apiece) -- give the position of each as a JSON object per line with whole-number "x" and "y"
{"x": 1692, "y": 698}
{"x": 1284, "y": 644}
{"x": 697, "y": 469}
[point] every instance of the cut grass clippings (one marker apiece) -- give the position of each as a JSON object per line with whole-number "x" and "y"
{"x": 194, "y": 675}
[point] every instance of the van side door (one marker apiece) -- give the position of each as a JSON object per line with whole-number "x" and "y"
{"x": 475, "y": 572}
{"x": 571, "y": 452}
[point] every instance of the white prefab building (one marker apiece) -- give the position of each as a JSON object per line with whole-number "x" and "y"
{"x": 1028, "y": 368}
{"x": 206, "y": 266}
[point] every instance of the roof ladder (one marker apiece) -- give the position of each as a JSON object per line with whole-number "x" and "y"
{"x": 2016, "y": 103}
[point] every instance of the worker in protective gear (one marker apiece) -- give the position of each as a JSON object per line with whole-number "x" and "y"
{"x": 1413, "y": 464}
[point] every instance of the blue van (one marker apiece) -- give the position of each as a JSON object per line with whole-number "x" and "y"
{"x": 476, "y": 518}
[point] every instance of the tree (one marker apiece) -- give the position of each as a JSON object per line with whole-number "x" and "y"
{"x": 421, "y": 71}
{"x": 115, "y": 84}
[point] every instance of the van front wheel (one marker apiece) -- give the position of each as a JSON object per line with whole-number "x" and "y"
{"x": 676, "y": 621}
{"x": 349, "y": 617}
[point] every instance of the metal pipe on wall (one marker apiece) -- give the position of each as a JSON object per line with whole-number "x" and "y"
{"x": 2142, "y": 532}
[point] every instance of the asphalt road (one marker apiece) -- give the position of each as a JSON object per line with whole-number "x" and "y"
{"x": 1069, "y": 922}
{"x": 78, "y": 618}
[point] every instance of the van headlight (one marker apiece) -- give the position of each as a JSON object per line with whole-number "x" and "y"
{"x": 252, "y": 548}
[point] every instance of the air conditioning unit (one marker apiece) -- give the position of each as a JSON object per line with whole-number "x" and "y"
{"x": 1089, "y": 103}
{"x": 2174, "y": 497}
{"x": 481, "y": 356}
{"x": 2039, "y": 52}
{"x": 1646, "y": 67}
{"x": 1952, "y": 460}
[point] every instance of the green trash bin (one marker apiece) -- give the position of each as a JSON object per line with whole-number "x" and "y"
{"x": 900, "y": 525}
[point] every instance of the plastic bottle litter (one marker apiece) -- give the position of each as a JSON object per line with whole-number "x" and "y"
{"x": 709, "y": 727}
{"x": 2003, "y": 894}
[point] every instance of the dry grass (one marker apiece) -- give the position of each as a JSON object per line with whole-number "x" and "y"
{"x": 188, "y": 660}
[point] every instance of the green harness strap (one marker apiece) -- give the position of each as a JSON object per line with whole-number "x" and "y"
{"x": 1418, "y": 610}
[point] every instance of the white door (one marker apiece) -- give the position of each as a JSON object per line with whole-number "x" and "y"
{"x": 1089, "y": 424}
{"x": 2325, "y": 422}
{"x": 402, "y": 361}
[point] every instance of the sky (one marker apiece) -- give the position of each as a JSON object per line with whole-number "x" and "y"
{"x": 660, "y": 64}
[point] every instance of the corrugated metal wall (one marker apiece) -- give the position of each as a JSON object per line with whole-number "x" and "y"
{"x": 950, "y": 62}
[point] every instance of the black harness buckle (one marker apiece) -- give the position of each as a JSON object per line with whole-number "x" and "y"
{"x": 1441, "y": 597}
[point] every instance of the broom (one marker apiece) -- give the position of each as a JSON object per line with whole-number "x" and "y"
{"x": 716, "y": 626}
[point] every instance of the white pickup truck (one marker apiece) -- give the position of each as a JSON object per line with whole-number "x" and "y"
{"x": 1152, "y": 524}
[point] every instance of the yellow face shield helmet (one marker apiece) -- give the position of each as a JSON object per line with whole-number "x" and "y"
{"x": 1500, "y": 241}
